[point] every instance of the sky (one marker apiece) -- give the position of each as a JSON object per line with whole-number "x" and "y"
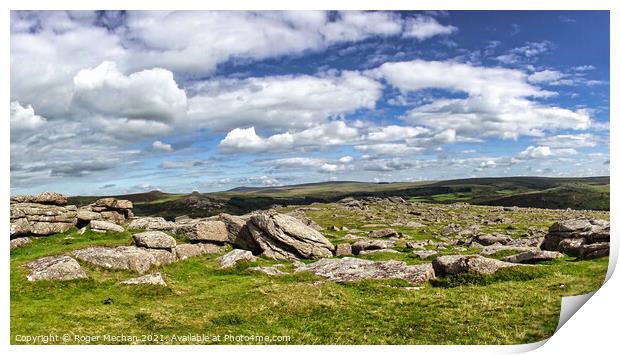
{"x": 118, "y": 102}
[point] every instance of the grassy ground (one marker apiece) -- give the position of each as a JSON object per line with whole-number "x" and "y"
{"x": 514, "y": 306}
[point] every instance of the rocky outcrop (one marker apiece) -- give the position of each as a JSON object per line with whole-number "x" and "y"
{"x": 57, "y": 267}
{"x": 119, "y": 258}
{"x": 150, "y": 279}
{"x": 151, "y": 223}
{"x": 104, "y": 226}
{"x": 350, "y": 269}
{"x": 154, "y": 240}
{"x": 533, "y": 256}
{"x": 586, "y": 238}
{"x": 238, "y": 232}
{"x": 344, "y": 249}
{"x": 42, "y": 214}
{"x": 20, "y": 242}
{"x": 457, "y": 264}
{"x": 490, "y": 239}
{"x": 281, "y": 236}
{"x": 235, "y": 256}
{"x": 105, "y": 209}
{"x": 384, "y": 233}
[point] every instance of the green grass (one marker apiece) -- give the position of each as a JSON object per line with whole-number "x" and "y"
{"x": 510, "y": 307}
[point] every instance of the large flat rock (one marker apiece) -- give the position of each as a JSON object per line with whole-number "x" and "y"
{"x": 57, "y": 267}
{"x": 120, "y": 258}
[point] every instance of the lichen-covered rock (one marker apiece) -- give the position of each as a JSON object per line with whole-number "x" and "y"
{"x": 28, "y": 218}
{"x": 105, "y": 226}
{"x": 48, "y": 198}
{"x": 282, "y": 236}
{"x": 20, "y": 242}
{"x": 154, "y": 240}
{"x": 423, "y": 254}
{"x": 151, "y": 223}
{"x": 114, "y": 204}
{"x": 87, "y": 215}
{"x": 344, "y": 249}
{"x": 150, "y": 279}
{"x": 184, "y": 251}
{"x": 350, "y": 269}
{"x": 575, "y": 237}
{"x": 233, "y": 257}
{"x": 238, "y": 232}
{"x": 57, "y": 267}
{"x": 269, "y": 270}
{"x": 162, "y": 256}
{"x": 384, "y": 233}
{"x": 122, "y": 258}
{"x": 202, "y": 230}
{"x": 367, "y": 244}
{"x": 490, "y": 239}
{"x": 533, "y": 256}
{"x": 458, "y": 264}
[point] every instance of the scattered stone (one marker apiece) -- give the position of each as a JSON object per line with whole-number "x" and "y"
{"x": 151, "y": 223}
{"x": 349, "y": 269}
{"x": 534, "y": 256}
{"x": 57, "y": 267}
{"x": 20, "y": 242}
{"x": 490, "y": 239}
{"x": 150, "y": 279}
{"x": 457, "y": 264}
{"x": 233, "y": 257}
{"x": 281, "y": 236}
{"x": 154, "y": 240}
{"x": 376, "y": 251}
{"x": 343, "y": 249}
{"x": 104, "y": 226}
{"x": 384, "y": 233}
{"x": 123, "y": 258}
{"x": 412, "y": 224}
{"x": 269, "y": 270}
{"x": 492, "y": 249}
{"x": 423, "y": 254}
{"x": 420, "y": 244}
{"x": 367, "y": 244}
{"x": 162, "y": 256}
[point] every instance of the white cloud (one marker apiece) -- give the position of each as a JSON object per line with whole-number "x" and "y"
{"x": 545, "y": 76}
{"x": 569, "y": 141}
{"x": 424, "y": 27}
{"x": 395, "y": 133}
{"x": 498, "y": 104}
{"x": 527, "y": 53}
{"x": 246, "y": 140}
{"x": 537, "y": 152}
{"x": 281, "y": 101}
{"x": 149, "y": 94}
{"x": 161, "y": 146}
{"x": 346, "y": 159}
{"x": 24, "y": 119}
{"x": 392, "y": 149}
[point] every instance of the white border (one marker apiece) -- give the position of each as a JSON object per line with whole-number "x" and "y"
{"x": 593, "y": 329}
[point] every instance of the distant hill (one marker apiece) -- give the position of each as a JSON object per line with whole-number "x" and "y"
{"x": 524, "y": 191}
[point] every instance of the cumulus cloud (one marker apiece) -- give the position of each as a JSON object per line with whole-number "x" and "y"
{"x": 392, "y": 149}
{"x": 526, "y": 53}
{"x": 23, "y": 119}
{"x": 569, "y": 141}
{"x": 424, "y": 27}
{"x": 148, "y": 95}
{"x": 498, "y": 104}
{"x": 281, "y": 101}
{"x": 537, "y": 152}
{"x": 161, "y": 146}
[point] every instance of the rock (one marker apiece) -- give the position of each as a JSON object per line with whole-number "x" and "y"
{"x": 269, "y": 270}
{"x": 29, "y": 218}
{"x": 123, "y": 258}
{"x": 368, "y": 244}
{"x": 162, "y": 256}
{"x": 573, "y": 237}
{"x": 113, "y": 216}
{"x": 423, "y": 254}
{"x": 47, "y": 228}
{"x": 238, "y": 233}
{"x": 457, "y": 264}
{"x": 420, "y": 244}
{"x": 492, "y": 249}
{"x": 490, "y": 239}
{"x": 20, "y": 242}
{"x": 105, "y": 226}
{"x": 533, "y": 256}
{"x": 20, "y": 226}
{"x": 343, "y": 249}
{"x": 57, "y": 267}
{"x": 112, "y": 203}
{"x": 151, "y": 223}
{"x": 150, "y": 279}
{"x": 370, "y": 252}
{"x": 281, "y": 236}
{"x": 349, "y": 269}
{"x": 384, "y": 233}
{"x": 184, "y": 251}
{"x": 87, "y": 215}
{"x": 154, "y": 240}
{"x": 47, "y": 198}
{"x": 413, "y": 224}
{"x": 233, "y": 257}
{"x": 203, "y": 230}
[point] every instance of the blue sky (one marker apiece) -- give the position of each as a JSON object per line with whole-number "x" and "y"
{"x": 118, "y": 102}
